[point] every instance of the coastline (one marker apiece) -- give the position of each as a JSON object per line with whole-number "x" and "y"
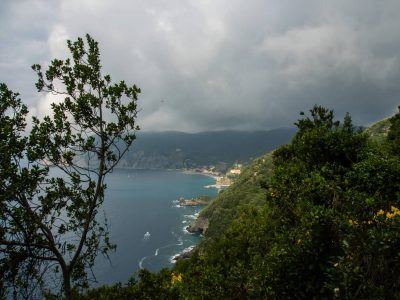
{"x": 147, "y": 202}
{"x": 220, "y": 180}
{"x": 188, "y": 250}
{"x": 214, "y": 176}
{"x": 185, "y": 171}
{"x": 195, "y": 172}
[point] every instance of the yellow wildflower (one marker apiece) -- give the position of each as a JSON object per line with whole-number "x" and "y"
{"x": 176, "y": 278}
{"x": 389, "y": 215}
{"x": 395, "y": 210}
{"x": 353, "y": 222}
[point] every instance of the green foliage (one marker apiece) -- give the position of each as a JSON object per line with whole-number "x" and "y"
{"x": 319, "y": 221}
{"x": 17, "y": 268}
{"x": 247, "y": 190}
{"x": 165, "y": 284}
{"x": 379, "y": 130}
{"x": 329, "y": 226}
{"x": 48, "y": 221}
{"x": 394, "y": 133}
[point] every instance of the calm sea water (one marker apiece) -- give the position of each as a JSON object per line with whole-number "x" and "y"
{"x": 145, "y": 220}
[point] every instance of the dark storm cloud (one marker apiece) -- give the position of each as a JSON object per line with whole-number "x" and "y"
{"x": 208, "y": 65}
{"x": 25, "y": 27}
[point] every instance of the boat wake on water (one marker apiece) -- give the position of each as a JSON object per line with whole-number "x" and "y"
{"x": 184, "y": 240}
{"x": 180, "y": 242}
{"x": 141, "y": 262}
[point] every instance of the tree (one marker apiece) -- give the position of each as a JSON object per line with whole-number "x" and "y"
{"x": 393, "y": 137}
{"x": 52, "y": 180}
{"x": 329, "y": 226}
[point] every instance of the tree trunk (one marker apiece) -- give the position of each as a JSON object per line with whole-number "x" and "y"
{"x": 67, "y": 285}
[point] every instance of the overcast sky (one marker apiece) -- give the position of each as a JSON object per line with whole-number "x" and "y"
{"x": 219, "y": 64}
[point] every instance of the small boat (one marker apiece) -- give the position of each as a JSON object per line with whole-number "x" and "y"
{"x": 146, "y": 235}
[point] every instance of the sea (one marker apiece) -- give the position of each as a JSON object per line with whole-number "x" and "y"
{"x": 146, "y": 222}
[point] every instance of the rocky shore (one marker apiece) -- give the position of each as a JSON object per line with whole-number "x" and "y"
{"x": 198, "y": 226}
{"x": 202, "y": 200}
{"x": 184, "y": 255}
{"x": 221, "y": 182}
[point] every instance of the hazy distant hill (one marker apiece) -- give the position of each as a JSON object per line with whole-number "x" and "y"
{"x": 164, "y": 150}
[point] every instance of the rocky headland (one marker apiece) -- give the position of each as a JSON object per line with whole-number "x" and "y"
{"x": 198, "y": 226}
{"x": 202, "y": 200}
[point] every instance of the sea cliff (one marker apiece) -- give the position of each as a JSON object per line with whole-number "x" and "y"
{"x": 199, "y": 226}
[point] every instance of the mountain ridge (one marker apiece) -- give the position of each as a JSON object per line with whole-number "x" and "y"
{"x": 180, "y": 150}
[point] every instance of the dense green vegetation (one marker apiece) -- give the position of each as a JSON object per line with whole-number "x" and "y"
{"x": 249, "y": 190}
{"x": 379, "y": 130}
{"x": 328, "y": 227}
{"x": 326, "y": 224}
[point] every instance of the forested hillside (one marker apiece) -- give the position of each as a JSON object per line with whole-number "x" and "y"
{"x": 379, "y": 130}
{"x": 318, "y": 218}
{"x": 249, "y": 189}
